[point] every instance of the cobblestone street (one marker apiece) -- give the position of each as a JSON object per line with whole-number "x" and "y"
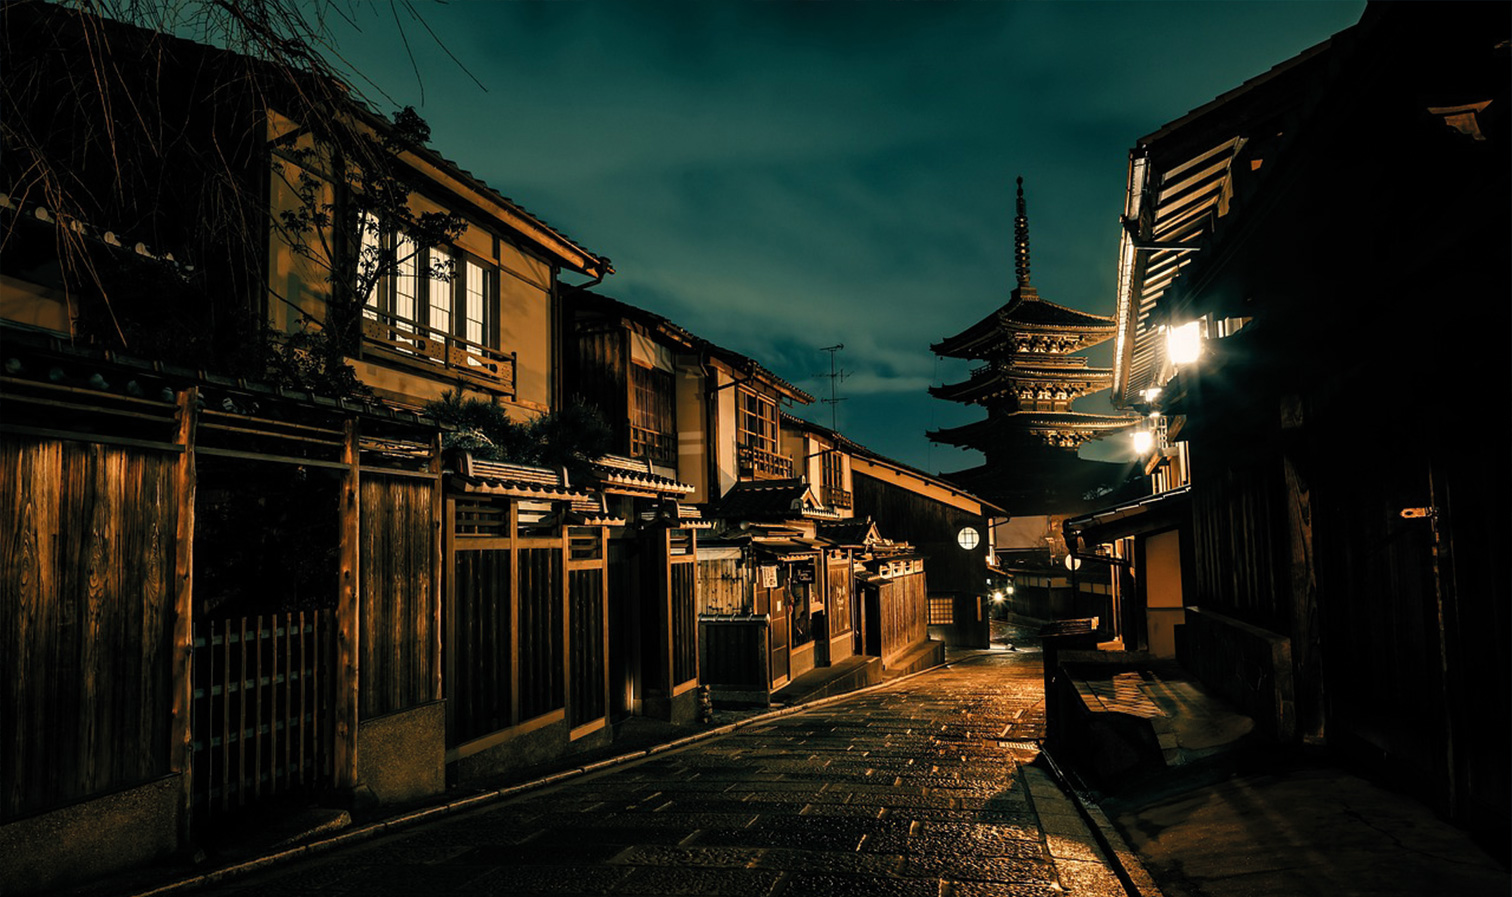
{"x": 920, "y": 788}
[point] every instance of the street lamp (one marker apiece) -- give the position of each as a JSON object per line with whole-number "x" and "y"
{"x": 1184, "y": 343}
{"x": 1144, "y": 441}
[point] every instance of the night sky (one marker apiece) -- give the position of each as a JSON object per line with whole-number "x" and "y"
{"x": 780, "y": 177}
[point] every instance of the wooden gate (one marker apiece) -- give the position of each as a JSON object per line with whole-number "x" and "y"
{"x": 262, "y": 718}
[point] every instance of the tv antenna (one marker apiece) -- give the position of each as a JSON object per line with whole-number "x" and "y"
{"x": 836, "y": 376}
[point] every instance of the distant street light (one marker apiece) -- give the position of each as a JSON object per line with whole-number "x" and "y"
{"x": 1144, "y": 441}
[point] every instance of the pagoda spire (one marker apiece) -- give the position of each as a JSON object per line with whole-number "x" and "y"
{"x": 1021, "y": 241}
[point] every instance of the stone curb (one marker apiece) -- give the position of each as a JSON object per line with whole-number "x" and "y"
{"x": 1123, "y": 861}
{"x": 375, "y": 829}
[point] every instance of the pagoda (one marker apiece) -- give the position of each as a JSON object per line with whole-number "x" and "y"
{"x": 1029, "y": 376}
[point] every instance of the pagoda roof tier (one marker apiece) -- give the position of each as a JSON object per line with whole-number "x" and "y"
{"x": 1028, "y": 323}
{"x": 1062, "y": 483}
{"x": 1065, "y": 429}
{"x": 991, "y": 381}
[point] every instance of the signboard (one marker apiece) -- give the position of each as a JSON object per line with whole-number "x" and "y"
{"x": 803, "y": 573}
{"x": 768, "y": 576}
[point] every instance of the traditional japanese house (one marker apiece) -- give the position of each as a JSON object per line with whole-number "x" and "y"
{"x": 951, "y": 531}
{"x": 305, "y": 571}
{"x": 703, "y": 422}
{"x": 1028, "y": 378}
{"x": 1344, "y": 528}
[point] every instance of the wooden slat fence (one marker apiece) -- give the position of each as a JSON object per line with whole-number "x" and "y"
{"x": 479, "y": 695}
{"x": 684, "y": 620}
{"x": 905, "y": 607}
{"x": 586, "y": 645}
{"x": 86, "y": 616}
{"x": 540, "y": 631}
{"x": 262, "y": 718}
{"x": 399, "y": 595}
{"x": 734, "y": 652}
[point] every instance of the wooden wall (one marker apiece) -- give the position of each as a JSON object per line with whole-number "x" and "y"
{"x": 481, "y": 677}
{"x": 399, "y": 643}
{"x": 87, "y": 588}
{"x": 904, "y": 606}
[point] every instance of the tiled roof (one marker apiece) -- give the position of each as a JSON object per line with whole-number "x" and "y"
{"x": 771, "y": 499}
{"x": 514, "y": 480}
{"x": 989, "y": 380}
{"x": 1022, "y": 313}
{"x": 599, "y": 302}
{"x": 635, "y": 475}
{"x": 856, "y": 532}
{"x": 1182, "y": 179}
{"x": 1008, "y": 425}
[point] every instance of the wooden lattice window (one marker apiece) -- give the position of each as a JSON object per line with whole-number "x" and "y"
{"x": 941, "y": 611}
{"x": 653, "y": 416}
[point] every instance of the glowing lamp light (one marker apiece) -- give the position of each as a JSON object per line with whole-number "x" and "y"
{"x": 1151, "y": 393}
{"x": 1144, "y": 440}
{"x": 1184, "y": 343}
{"x": 997, "y": 597}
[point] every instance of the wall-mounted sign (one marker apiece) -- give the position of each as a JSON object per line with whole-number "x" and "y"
{"x": 769, "y": 576}
{"x": 803, "y": 573}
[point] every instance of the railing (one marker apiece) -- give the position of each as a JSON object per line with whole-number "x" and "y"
{"x": 835, "y": 497}
{"x": 763, "y": 464}
{"x": 658, "y": 447}
{"x": 407, "y": 341}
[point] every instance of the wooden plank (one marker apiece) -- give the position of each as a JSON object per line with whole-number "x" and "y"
{"x": 347, "y": 695}
{"x": 181, "y": 740}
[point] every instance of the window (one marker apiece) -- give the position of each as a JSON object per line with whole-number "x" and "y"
{"x": 653, "y": 422}
{"x": 941, "y": 611}
{"x": 758, "y": 421}
{"x": 756, "y": 438}
{"x": 968, "y": 538}
{"x": 832, "y": 467}
{"x": 438, "y": 312}
{"x": 436, "y": 292}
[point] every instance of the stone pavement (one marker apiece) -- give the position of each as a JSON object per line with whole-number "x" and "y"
{"x": 1263, "y": 825}
{"x": 925, "y": 786}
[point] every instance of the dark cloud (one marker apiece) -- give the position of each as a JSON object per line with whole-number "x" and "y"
{"x": 779, "y": 177}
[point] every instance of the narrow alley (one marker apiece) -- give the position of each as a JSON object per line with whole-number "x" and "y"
{"x": 920, "y": 787}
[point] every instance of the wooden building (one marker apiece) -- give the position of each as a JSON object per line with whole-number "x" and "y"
{"x": 1029, "y": 376}
{"x": 326, "y": 606}
{"x": 1338, "y": 557}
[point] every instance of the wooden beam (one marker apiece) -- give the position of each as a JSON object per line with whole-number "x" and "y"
{"x": 181, "y": 738}
{"x": 347, "y": 688}
{"x": 439, "y": 540}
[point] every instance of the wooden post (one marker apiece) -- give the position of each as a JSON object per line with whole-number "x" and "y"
{"x": 347, "y": 688}
{"x": 181, "y": 738}
{"x": 439, "y": 573}
{"x": 512, "y": 520}
{"x": 564, "y": 599}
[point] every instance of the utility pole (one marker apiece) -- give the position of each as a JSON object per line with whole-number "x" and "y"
{"x": 835, "y": 376}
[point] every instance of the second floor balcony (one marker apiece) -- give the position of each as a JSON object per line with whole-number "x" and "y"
{"x": 409, "y": 344}
{"x": 762, "y": 464}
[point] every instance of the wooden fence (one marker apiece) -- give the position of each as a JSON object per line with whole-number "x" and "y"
{"x": 904, "y": 606}
{"x": 87, "y": 592}
{"x": 262, "y": 718}
{"x": 399, "y": 644}
{"x": 734, "y": 652}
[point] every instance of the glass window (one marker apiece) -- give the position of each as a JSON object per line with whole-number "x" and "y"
{"x": 758, "y": 421}
{"x": 439, "y": 279}
{"x": 475, "y": 301}
{"x": 406, "y": 279}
